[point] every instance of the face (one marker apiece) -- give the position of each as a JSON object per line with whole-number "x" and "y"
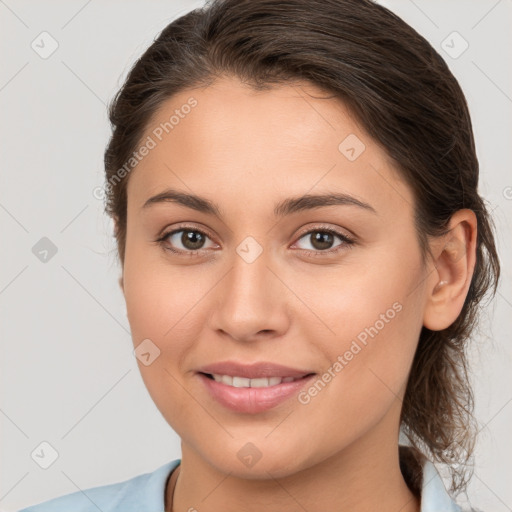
{"x": 332, "y": 289}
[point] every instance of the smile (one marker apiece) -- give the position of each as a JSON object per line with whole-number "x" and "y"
{"x": 252, "y": 396}
{"x": 243, "y": 382}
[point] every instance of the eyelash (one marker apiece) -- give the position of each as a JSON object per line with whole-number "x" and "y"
{"x": 347, "y": 242}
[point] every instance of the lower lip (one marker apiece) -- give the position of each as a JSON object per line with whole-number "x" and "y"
{"x": 253, "y": 400}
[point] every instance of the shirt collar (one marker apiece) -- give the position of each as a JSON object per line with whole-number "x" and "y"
{"x": 434, "y": 496}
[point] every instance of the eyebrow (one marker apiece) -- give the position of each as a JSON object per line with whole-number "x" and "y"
{"x": 281, "y": 209}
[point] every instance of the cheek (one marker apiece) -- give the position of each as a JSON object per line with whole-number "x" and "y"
{"x": 165, "y": 304}
{"x": 160, "y": 297}
{"x": 366, "y": 289}
{"x": 160, "y": 307}
{"x": 371, "y": 318}
{"x": 366, "y": 370}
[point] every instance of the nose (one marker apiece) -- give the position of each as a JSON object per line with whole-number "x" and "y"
{"x": 251, "y": 302}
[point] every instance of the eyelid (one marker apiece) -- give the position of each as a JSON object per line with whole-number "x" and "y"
{"x": 164, "y": 234}
{"x": 326, "y": 227}
{"x": 347, "y": 241}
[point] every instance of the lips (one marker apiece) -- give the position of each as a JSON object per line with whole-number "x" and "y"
{"x": 253, "y": 388}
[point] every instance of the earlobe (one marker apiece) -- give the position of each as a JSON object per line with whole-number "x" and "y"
{"x": 121, "y": 283}
{"x": 448, "y": 284}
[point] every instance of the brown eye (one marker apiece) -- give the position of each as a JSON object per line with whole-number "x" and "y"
{"x": 192, "y": 239}
{"x": 323, "y": 240}
{"x": 185, "y": 240}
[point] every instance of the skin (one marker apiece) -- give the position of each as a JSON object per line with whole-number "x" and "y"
{"x": 246, "y": 151}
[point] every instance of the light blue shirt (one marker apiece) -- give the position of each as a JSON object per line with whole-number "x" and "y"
{"x": 145, "y": 493}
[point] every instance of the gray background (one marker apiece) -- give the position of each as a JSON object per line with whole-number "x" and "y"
{"x": 68, "y": 375}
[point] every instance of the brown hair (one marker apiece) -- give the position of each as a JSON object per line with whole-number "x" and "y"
{"x": 403, "y": 94}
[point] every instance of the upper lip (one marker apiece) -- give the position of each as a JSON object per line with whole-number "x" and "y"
{"x": 254, "y": 370}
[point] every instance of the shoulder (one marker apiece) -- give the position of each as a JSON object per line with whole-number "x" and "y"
{"x": 144, "y": 491}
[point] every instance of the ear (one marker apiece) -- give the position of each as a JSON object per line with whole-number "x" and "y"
{"x": 116, "y": 228}
{"x": 116, "y": 224}
{"x": 448, "y": 284}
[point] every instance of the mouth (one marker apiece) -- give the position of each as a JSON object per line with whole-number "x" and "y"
{"x": 252, "y": 389}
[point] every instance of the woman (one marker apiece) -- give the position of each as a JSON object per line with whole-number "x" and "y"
{"x": 303, "y": 252}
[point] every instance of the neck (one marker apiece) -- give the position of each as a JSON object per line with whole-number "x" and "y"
{"x": 363, "y": 477}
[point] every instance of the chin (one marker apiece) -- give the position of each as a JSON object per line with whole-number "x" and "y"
{"x": 245, "y": 460}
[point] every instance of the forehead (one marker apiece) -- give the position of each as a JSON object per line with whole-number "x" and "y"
{"x": 230, "y": 141}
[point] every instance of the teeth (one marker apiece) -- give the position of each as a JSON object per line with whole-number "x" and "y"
{"x": 258, "y": 383}
{"x": 242, "y": 382}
